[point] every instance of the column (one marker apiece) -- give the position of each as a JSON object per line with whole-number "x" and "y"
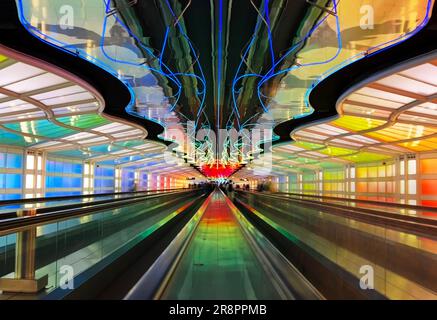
{"x": 24, "y": 280}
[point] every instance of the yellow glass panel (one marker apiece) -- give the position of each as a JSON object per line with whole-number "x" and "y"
{"x": 372, "y": 172}
{"x": 421, "y": 145}
{"x": 390, "y": 170}
{"x": 354, "y": 124}
{"x": 392, "y": 19}
{"x": 381, "y": 171}
{"x": 366, "y": 157}
{"x": 361, "y": 172}
{"x": 401, "y": 132}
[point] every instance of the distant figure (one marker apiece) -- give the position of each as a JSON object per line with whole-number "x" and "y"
{"x": 134, "y": 188}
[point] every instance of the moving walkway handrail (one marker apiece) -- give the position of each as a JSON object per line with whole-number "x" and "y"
{"x": 123, "y": 263}
{"x": 362, "y": 209}
{"x": 288, "y": 279}
{"x": 412, "y": 223}
{"x": 152, "y": 284}
{"x": 311, "y": 263}
{"x": 373, "y": 202}
{"x": 15, "y": 224}
{"x": 35, "y": 211}
{"x": 82, "y": 196}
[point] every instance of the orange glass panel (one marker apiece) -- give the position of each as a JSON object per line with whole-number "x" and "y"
{"x": 361, "y": 186}
{"x": 381, "y": 186}
{"x": 428, "y": 166}
{"x": 372, "y": 198}
{"x": 373, "y": 187}
{"x": 389, "y": 187}
{"x": 430, "y": 203}
{"x": 429, "y": 187}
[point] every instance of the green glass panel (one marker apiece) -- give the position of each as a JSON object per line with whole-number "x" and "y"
{"x": 85, "y": 121}
{"x": 327, "y": 165}
{"x": 366, "y": 157}
{"x": 308, "y": 145}
{"x": 131, "y": 143}
{"x": 336, "y": 151}
{"x": 13, "y": 139}
{"x": 105, "y": 148}
{"x": 70, "y": 153}
{"x": 43, "y": 128}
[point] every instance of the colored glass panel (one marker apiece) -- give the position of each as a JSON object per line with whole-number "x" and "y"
{"x": 429, "y": 187}
{"x": 428, "y": 166}
{"x": 85, "y": 121}
{"x": 14, "y": 161}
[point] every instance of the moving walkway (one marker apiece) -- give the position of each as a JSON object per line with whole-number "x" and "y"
{"x": 331, "y": 240}
{"x": 12, "y": 208}
{"x": 224, "y": 257}
{"x": 203, "y": 244}
{"x": 191, "y": 244}
{"x": 36, "y": 246}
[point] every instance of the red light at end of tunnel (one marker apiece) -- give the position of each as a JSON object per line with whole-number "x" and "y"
{"x": 218, "y": 170}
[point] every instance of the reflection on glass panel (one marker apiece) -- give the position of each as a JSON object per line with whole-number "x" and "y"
{"x": 412, "y": 186}
{"x": 14, "y": 161}
{"x": 428, "y": 166}
{"x": 412, "y": 166}
{"x": 361, "y": 172}
{"x": 12, "y": 181}
{"x": 84, "y": 241}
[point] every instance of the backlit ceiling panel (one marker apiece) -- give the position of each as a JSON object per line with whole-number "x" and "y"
{"x": 45, "y": 111}
{"x": 188, "y": 83}
{"x": 392, "y": 116}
